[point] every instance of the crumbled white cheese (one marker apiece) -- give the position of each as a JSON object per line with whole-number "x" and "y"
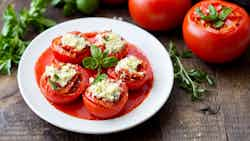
{"x": 129, "y": 63}
{"x": 113, "y": 42}
{"x": 106, "y": 90}
{"x": 74, "y": 41}
{"x": 60, "y": 76}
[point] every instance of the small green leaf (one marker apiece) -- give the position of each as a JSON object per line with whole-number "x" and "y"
{"x": 100, "y": 78}
{"x": 45, "y": 21}
{"x": 225, "y": 13}
{"x": 90, "y": 63}
{"x": 56, "y": 76}
{"x": 96, "y": 52}
{"x": 5, "y": 67}
{"x": 212, "y": 12}
{"x": 210, "y": 81}
{"x": 218, "y": 24}
{"x": 109, "y": 62}
{"x": 187, "y": 54}
{"x": 105, "y": 53}
{"x": 52, "y": 85}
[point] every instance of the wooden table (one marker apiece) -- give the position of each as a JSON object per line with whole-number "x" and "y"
{"x": 179, "y": 120}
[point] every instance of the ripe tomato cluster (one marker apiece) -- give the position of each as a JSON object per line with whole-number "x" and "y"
{"x": 216, "y": 38}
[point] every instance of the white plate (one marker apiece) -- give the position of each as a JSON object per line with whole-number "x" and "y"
{"x": 154, "y": 50}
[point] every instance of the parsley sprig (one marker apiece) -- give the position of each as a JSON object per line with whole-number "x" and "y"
{"x": 12, "y": 44}
{"x": 217, "y": 18}
{"x": 189, "y": 80}
{"x": 99, "y": 60}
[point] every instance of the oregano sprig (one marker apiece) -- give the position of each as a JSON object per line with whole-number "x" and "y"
{"x": 189, "y": 80}
{"x": 99, "y": 60}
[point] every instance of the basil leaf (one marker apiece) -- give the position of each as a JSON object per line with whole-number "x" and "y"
{"x": 105, "y": 53}
{"x": 90, "y": 63}
{"x": 109, "y": 62}
{"x": 225, "y": 13}
{"x": 199, "y": 12}
{"x": 96, "y": 52}
{"x": 218, "y": 24}
{"x": 100, "y": 78}
{"x": 52, "y": 85}
{"x": 213, "y": 14}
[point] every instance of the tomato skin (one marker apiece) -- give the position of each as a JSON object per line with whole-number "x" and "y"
{"x": 104, "y": 110}
{"x": 56, "y": 97}
{"x": 159, "y": 14}
{"x": 66, "y": 56}
{"x": 136, "y": 84}
{"x": 216, "y": 47}
{"x": 132, "y": 85}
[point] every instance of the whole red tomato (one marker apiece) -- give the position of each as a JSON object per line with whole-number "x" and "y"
{"x": 114, "y": 2}
{"x": 219, "y": 39}
{"x": 159, "y": 14}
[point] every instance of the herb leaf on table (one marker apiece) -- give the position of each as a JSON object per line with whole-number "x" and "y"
{"x": 12, "y": 44}
{"x": 189, "y": 80}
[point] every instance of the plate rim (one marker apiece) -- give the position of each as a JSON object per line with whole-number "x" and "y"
{"x": 93, "y": 132}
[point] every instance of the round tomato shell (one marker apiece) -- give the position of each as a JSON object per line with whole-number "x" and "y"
{"x": 66, "y": 56}
{"x": 133, "y": 85}
{"x": 104, "y": 110}
{"x": 216, "y": 47}
{"x": 159, "y": 14}
{"x": 57, "y": 98}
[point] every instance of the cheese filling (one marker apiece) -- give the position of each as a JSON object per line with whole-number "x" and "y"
{"x": 113, "y": 42}
{"x": 60, "y": 76}
{"x": 106, "y": 90}
{"x": 129, "y": 63}
{"x": 74, "y": 41}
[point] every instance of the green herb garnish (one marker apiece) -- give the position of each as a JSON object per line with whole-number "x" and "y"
{"x": 100, "y": 77}
{"x": 98, "y": 60}
{"x": 12, "y": 44}
{"x": 213, "y": 16}
{"x": 189, "y": 80}
{"x": 52, "y": 84}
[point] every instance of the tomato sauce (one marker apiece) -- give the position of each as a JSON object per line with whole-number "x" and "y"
{"x": 77, "y": 108}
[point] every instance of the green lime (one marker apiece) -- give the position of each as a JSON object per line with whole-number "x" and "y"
{"x": 87, "y": 6}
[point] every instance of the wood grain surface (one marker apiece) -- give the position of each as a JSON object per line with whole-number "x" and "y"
{"x": 179, "y": 120}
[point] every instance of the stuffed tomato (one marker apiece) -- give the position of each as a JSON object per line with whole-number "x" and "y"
{"x": 63, "y": 83}
{"x": 105, "y": 98}
{"x": 133, "y": 70}
{"x": 110, "y": 42}
{"x": 70, "y": 48}
{"x": 216, "y": 31}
